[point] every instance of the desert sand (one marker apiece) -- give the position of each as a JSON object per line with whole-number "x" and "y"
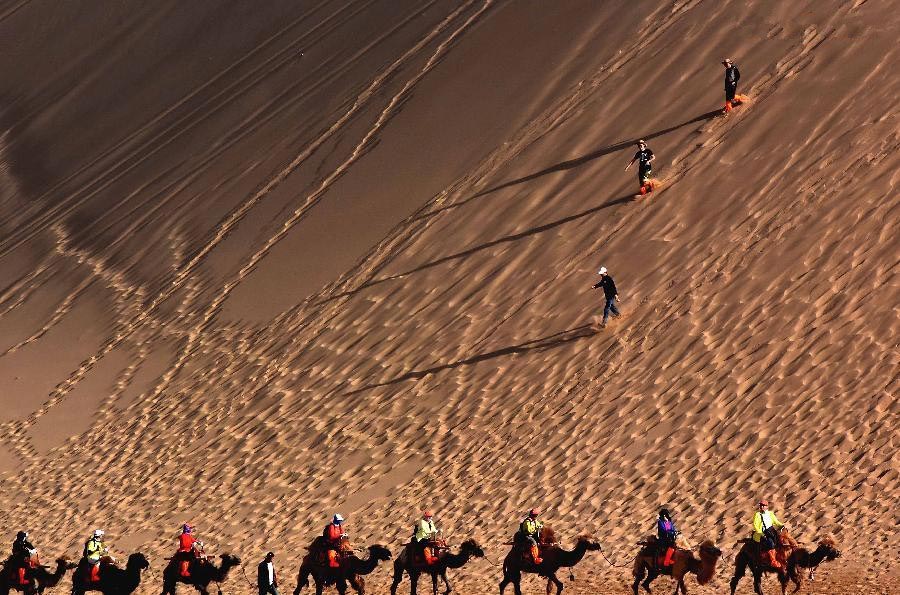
{"x": 264, "y": 262}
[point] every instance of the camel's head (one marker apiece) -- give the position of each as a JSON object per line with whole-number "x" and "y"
{"x": 471, "y": 547}
{"x": 66, "y": 564}
{"x": 590, "y": 544}
{"x": 828, "y": 545}
{"x": 709, "y": 550}
{"x": 139, "y": 561}
{"x": 379, "y": 552}
{"x": 228, "y": 560}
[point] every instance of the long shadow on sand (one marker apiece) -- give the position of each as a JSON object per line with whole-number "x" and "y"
{"x": 578, "y": 161}
{"x": 465, "y": 253}
{"x": 544, "y": 343}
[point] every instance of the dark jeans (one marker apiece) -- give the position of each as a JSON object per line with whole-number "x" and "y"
{"x": 644, "y": 173}
{"x": 270, "y": 590}
{"x": 610, "y": 307}
{"x": 730, "y": 92}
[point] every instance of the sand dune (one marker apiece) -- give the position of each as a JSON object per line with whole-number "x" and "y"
{"x": 265, "y": 263}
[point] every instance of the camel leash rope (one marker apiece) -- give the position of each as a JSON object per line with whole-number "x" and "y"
{"x": 611, "y": 563}
{"x": 244, "y": 572}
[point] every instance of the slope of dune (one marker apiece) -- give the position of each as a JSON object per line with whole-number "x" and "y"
{"x": 263, "y": 262}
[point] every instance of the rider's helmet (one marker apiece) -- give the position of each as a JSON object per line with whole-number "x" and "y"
{"x": 21, "y": 535}
{"x": 187, "y": 528}
{"x": 427, "y": 514}
{"x": 337, "y": 519}
{"x": 534, "y": 513}
{"x": 98, "y": 533}
{"x": 664, "y": 513}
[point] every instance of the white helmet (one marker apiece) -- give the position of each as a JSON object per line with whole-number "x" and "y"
{"x": 602, "y": 271}
{"x": 98, "y": 533}
{"x": 337, "y": 520}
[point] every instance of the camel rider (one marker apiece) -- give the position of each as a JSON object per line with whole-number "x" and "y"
{"x": 530, "y": 532}
{"x": 22, "y": 552}
{"x": 333, "y": 534}
{"x": 424, "y": 534}
{"x": 665, "y": 536}
{"x": 94, "y": 549}
{"x": 188, "y": 546}
{"x": 765, "y": 533}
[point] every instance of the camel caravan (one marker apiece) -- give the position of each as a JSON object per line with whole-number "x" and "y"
{"x": 331, "y": 560}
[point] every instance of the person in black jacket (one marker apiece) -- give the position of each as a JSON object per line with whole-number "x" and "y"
{"x": 22, "y": 550}
{"x": 644, "y": 157}
{"x": 266, "y": 579}
{"x": 609, "y": 292}
{"x": 732, "y": 76}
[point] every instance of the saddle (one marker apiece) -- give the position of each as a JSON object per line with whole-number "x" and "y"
{"x": 417, "y": 552}
{"x": 317, "y": 552}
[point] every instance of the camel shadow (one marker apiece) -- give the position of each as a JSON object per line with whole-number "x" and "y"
{"x": 470, "y": 251}
{"x": 544, "y": 343}
{"x": 577, "y": 162}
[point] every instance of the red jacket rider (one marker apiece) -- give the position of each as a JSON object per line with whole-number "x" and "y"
{"x": 186, "y": 551}
{"x": 333, "y": 534}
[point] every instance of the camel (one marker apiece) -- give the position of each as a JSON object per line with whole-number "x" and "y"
{"x": 553, "y": 558}
{"x": 39, "y": 578}
{"x": 351, "y": 571}
{"x": 797, "y": 557}
{"x": 646, "y": 569}
{"x": 446, "y": 559}
{"x": 113, "y": 580}
{"x": 201, "y": 573}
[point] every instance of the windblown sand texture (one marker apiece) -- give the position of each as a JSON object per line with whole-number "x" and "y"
{"x": 266, "y": 261}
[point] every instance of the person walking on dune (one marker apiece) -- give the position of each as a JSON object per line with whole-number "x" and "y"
{"x": 609, "y": 292}
{"x": 644, "y": 157}
{"x": 266, "y": 579}
{"x": 732, "y": 76}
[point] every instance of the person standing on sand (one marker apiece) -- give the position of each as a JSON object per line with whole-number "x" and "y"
{"x": 732, "y": 76}
{"x": 609, "y": 292}
{"x": 266, "y": 579}
{"x": 644, "y": 157}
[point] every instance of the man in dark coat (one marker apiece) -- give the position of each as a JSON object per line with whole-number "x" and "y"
{"x": 609, "y": 292}
{"x": 266, "y": 579}
{"x": 732, "y": 76}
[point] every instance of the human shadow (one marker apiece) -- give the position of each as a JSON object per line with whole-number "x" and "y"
{"x": 549, "y": 342}
{"x": 465, "y": 253}
{"x": 578, "y": 161}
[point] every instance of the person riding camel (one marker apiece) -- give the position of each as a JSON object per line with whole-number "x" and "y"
{"x": 665, "y": 536}
{"x": 94, "y": 549}
{"x": 333, "y": 535}
{"x": 765, "y": 533}
{"x": 424, "y": 535}
{"x": 22, "y": 552}
{"x": 530, "y": 534}
{"x": 189, "y": 549}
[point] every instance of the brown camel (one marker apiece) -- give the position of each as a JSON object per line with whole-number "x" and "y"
{"x": 553, "y": 558}
{"x": 201, "y": 572}
{"x": 646, "y": 569}
{"x": 750, "y": 556}
{"x": 796, "y": 558}
{"x": 350, "y": 572}
{"x": 38, "y": 577}
{"x": 446, "y": 559}
{"x": 113, "y": 580}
